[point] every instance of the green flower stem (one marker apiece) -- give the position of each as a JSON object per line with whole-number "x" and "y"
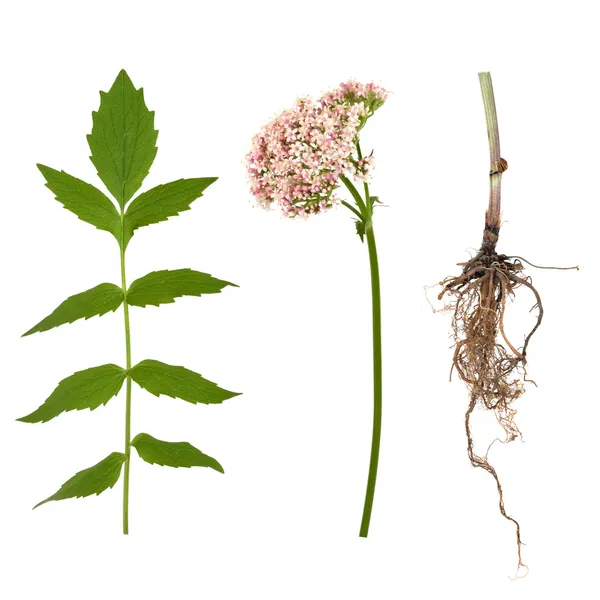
{"x": 128, "y": 388}
{"x": 377, "y": 382}
{"x": 366, "y": 214}
{"x": 365, "y": 184}
{"x": 350, "y": 207}
{"x": 357, "y": 197}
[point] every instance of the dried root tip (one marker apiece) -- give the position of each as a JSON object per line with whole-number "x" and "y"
{"x": 522, "y": 572}
{"x": 482, "y": 462}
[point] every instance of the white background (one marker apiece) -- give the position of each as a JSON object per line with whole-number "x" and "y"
{"x": 282, "y": 522}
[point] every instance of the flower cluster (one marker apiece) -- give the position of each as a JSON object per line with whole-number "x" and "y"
{"x": 370, "y": 95}
{"x": 296, "y": 159}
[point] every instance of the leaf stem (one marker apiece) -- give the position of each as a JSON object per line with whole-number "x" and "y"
{"x": 497, "y": 164}
{"x": 128, "y": 387}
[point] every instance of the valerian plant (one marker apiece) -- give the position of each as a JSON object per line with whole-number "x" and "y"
{"x": 493, "y": 367}
{"x": 297, "y": 162}
{"x": 123, "y": 147}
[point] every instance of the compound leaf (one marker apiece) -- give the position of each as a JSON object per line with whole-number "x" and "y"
{"x": 84, "y": 389}
{"x": 94, "y": 302}
{"x": 123, "y": 139}
{"x": 162, "y": 287}
{"x": 83, "y": 199}
{"x": 163, "y": 201}
{"x": 90, "y": 481}
{"x": 178, "y": 382}
{"x": 172, "y": 454}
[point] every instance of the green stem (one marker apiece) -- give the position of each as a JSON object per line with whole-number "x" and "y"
{"x": 377, "y": 381}
{"x": 357, "y": 197}
{"x": 366, "y": 185}
{"x": 350, "y": 207}
{"x": 377, "y": 354}
{"x": 128, "y": 392}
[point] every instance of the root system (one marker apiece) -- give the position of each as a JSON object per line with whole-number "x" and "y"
{"x": 493, "y": 367}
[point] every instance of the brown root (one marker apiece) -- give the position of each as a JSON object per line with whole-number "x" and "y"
{"x": 485, "y": 359}
{"x": 482, "y": 462}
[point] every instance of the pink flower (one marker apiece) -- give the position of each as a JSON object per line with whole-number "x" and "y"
{"x": 296, "y": 159}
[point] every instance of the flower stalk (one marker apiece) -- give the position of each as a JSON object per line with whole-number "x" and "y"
{"x": 365, "y": 212}
{"x": 297, "y": 162}
{"x": 377, "y": 382}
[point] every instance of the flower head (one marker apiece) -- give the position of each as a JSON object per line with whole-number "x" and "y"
{"x": 370, "y": 95}
{"x": 296, "y": 159}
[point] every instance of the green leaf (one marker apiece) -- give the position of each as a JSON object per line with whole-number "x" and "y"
{"x": 123, "y": 139}
{"x": 90, "y": 481}
{"x": 373, "y": 200}
{"x": 162, "y": 287}
{"x": 178, "y": 382}
{"x": 83, "y": 199}
{"x": 360, "y": 229}
{"x": 162, "y": 202}
{"x": 84, "y": 389}
{"x": 172, "y": 454}
{"x": 94, "y": 302}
